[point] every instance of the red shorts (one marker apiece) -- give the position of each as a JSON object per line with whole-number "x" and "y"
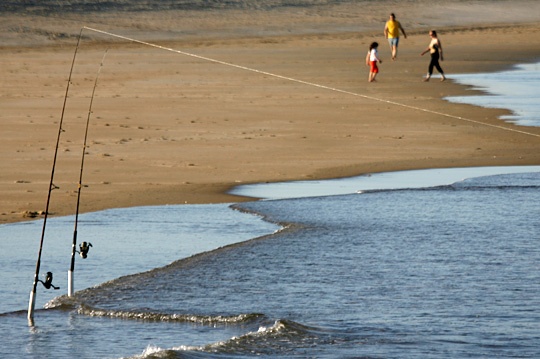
{"x": 373, "y": 67}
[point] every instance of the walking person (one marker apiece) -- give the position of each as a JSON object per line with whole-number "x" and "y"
{"x": 436, "y": 51}
{"x": 372, "y": 58}
{"x": 391, "y": 32}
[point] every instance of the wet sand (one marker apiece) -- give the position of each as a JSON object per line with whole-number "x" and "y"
{"x": 168, "y": 128}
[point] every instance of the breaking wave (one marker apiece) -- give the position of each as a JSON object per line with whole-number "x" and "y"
{"x": 282, "y": 336}
{"x": 169, "y": 317}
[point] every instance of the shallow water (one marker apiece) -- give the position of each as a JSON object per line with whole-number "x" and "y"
{"x": 124, "y": 241}
{"x": 446, "y": 271}
{"x": 517, "y": 90}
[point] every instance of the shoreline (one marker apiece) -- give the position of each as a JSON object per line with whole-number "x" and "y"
{"x": 181, "y": 131}
{"x": 397, "y": 180}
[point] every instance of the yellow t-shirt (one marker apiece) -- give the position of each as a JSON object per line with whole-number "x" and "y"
{"x": 393, "y": 29}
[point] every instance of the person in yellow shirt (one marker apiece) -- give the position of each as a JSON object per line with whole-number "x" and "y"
{"x": 391, "y": 32}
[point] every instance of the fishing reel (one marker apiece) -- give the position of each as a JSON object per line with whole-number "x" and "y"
{"x": 84, "y": 247}
{"x": 48, "y": 281}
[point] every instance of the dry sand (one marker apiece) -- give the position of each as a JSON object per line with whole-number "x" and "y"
{"x": 167, "y": 128}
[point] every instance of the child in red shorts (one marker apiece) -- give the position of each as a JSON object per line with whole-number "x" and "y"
{"x": 372, "y": 58}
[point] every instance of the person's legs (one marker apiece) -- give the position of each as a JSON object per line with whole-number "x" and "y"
{"x": 393, "y": 42}
{"x": 439, "y": 68}
{"x": 374, "y": 69}
{"x": 433, "y": 63}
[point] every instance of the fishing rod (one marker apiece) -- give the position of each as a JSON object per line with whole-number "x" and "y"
{"x": 48, "y": 281}
{"x": 85, "y": 246}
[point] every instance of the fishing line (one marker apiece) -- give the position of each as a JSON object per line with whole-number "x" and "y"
{"x": 74, "y": 245}
{"x": 32, "y": 301}
{"x": 310, "y": 83}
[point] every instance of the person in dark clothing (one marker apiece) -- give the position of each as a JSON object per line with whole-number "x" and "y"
{"x": 436, "y": 51}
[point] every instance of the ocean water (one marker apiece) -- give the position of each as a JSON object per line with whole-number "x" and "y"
{"x": 414, "y": 269}
{"x": 517, "y": 90}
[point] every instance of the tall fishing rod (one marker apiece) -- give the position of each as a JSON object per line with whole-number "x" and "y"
{"x": 48, "y": 280}
{"x": 85, "y": 246}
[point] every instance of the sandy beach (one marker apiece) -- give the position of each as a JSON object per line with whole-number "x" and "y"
{"x": 167, "y": 127}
